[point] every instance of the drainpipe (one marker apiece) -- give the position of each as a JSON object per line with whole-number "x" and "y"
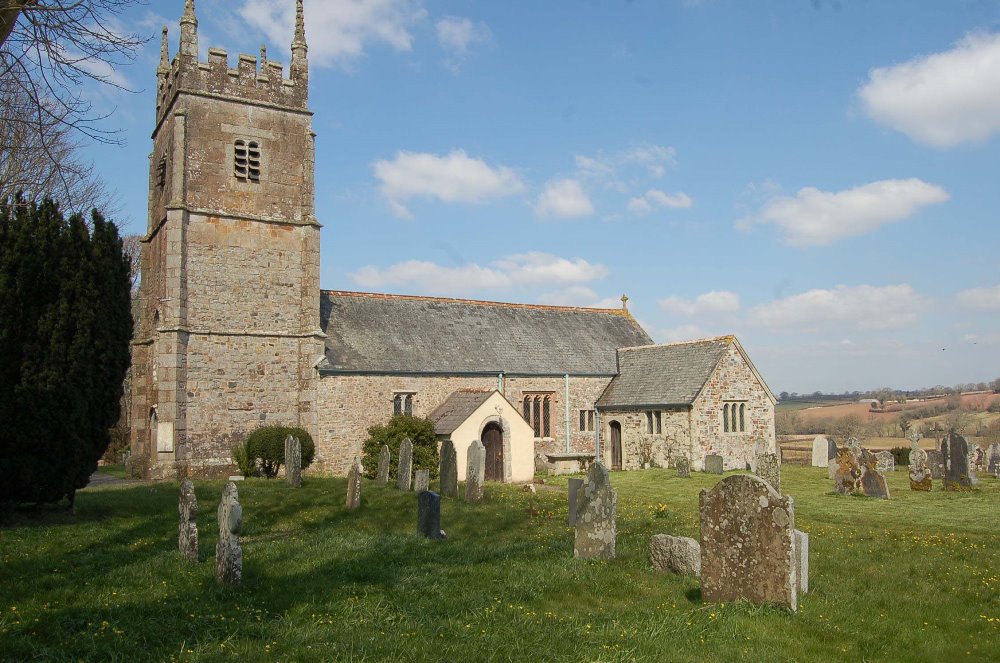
{"x": 567, "y": 413}
{"x": 597, "y": 428}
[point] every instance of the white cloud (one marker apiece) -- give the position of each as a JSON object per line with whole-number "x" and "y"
{"x": 522, "y": 269}
{"x": 604, "y": 168}
{"x": 338, "y": 31}
{"x": 709, "y": 303}
{"x": 564, "y": 198}
{"x": 654, "y": 198}
{"x": 454, "y": 177}
{"x": 814, "y": 217}
{"x": 986, "y": 298}
{"x": 456, "y": 34}
{"x": 863, "y": 306}
{"x": 941, "y": 99}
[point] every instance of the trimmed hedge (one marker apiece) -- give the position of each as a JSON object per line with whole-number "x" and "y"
{"x": 265, "y": 448}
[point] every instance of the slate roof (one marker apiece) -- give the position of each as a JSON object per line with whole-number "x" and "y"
{"x": 374, "y": 333}
{"x": 456, "y": 409}
{"x": 671, "y": 374}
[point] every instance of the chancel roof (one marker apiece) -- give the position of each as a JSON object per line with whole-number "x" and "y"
{"x": 377, "y": 333}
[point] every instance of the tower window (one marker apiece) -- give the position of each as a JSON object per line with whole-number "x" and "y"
{"x": 161, "y": 171}
{"x": 246, "y": 160}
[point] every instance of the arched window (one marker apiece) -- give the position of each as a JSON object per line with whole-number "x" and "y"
{"x": 537, "y": 416}
{"x": 527, "y": 408}
{"x": 742, "y": 423}
{"x": 732, "y": 417}
{"x": 725, "y": 418}
{"x": 538, "y": 413}
{"x": 546, "y": 431}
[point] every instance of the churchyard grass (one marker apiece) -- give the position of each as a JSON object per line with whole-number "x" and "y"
{"x": 916, "y": 578}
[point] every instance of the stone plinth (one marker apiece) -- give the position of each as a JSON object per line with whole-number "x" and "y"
{"x": 679, "y": 554}
{"x": 568, "y": 463}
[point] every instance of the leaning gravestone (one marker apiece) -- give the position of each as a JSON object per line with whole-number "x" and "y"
{"x": 747, "y": 543}
{"x": 683, "y": 466}
{"x": 596, "y": 516}
{"x": 449, "y": 470}
{"x": 228, "y": 554}
{"x": 404, "y": 470}
{"x": 293, "y": 461}
{"x": 475, "y": 472}
{"x": 429, "y": 515}
{"x": 920, "y": 472}
{"x": 935, "y": 461}
{"x": 187, "y": 531}
{"x": 824, "y": 450}
{"x": 714, "y": 464}
{"x": 769, "y": 469}
{"x": 384, "y": 459}
{"x": 873, "y": 483}
{"x": 885, "y": 462}
{"x": 993, "y": 459}
{"x": 679, "y": 554}
{"x": 847, "y": 479}
{"x": 421, "y": 481}
{"x": 574, "y": 496}
{"x": 955, "y": 451}
{"x": 802, "y": 560}
{"x": 354, "y": 485}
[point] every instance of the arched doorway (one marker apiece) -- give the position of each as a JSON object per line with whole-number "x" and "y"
{"x": 616, "y": 445}
{"x": 493, "y": 441}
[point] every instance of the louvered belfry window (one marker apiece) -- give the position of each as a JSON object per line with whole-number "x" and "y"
{"x": 246, "y": 160}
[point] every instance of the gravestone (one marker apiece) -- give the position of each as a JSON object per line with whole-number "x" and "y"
{"x": 853, "y": 445}
{"x": 957, "y": 475}
{"x": 935, "y": 461}
{"x": 384, "y": 459}
{"x": 422, "y": 481}
{"x": 228, "y": 554}
{"x": 847, "y": 477}
{"x": 596, "y": 516}
{"x": 679, "y": 554}
{"x": 354, "y": 485}
{"x": 714, "y": 464}
{"x": 573, "y": 493}
{"x": 429, "y": 515}
{"x": 873, "y": 483}
{"x": 475, "y": 472}
{"x": 683, "y": 466}
{"x": 885, "y": 462}
{"x": 802, "y": 560}
{"x": 920, "y": 472}
{"x": 976, "y": 458}
{"x": 293, "y": 461}
{"x": 769, "y": 469}
{"x": 993, "y": 459}
{"x": 404, "y": 468}
{"x": 824, "y": 450}
{"x": 187, "y": 531}
{"x": 747, "y": 543}
{"x": 449, "y": 470}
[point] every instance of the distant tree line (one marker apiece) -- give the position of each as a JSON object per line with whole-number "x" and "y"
{"x": 884, "y": 394}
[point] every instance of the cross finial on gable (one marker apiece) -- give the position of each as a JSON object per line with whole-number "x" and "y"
{"x": 624, "y": 302}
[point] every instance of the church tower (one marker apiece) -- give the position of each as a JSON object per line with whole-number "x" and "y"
{"x": 229, "y": 330}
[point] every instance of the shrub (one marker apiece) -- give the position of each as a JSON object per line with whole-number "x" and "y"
{"x": 901, "y": 455}
{"x": 420, "y": 431}
{"x": 266, "y": 448}
{"x": 243, "y": 460}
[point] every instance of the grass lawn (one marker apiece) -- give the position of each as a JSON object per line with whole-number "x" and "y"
{"x": 117, "y": 470}
{"x": 913, "y": 579}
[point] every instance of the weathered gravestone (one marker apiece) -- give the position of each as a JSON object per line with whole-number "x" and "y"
{"x": 847, "y": 478}
{"x": 920, "y": 472}
{"x": 873, "y": 483}
{"x": 957, "y": 475}
{"x": 747, "y": 543}
{"x": 802, "y": 560}
{"x": 976, "y": 458}
{"x": 449, "y": 469}
{"x": 596, "y": 516}
{"x": 574, "y": 495}
{"x": 935, "y": 461}
{"x": 404, "y": 468}
{"x": 679, "y": 554}
{"x": 384, "y": 459}
{"x": 228, "y": 554}
{"x": 993, "y": 459}
{"x": 187, "y": 531}
{"x": 475, "y": 472}
{"x": 683, "y": 466}
{"x": 429, "y": 515}
{"x": 769, "y": 469}
{"x": 853, "y": 445}
{"x": 885, "y": 462}
{"x": 354, "y": 485}
{"x": 293, "y": 461}
{"x": 714, "y": 464}
{"x": 824, "y": 450}
{"x": 421, "y": 481}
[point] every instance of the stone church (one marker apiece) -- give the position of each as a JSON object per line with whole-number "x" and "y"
{"x": 234, "y": 331}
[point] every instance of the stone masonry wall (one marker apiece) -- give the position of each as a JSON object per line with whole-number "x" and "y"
{"x": 639, "y": 446}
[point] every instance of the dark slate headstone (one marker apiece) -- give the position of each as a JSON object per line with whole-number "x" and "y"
{"x": 714, "y": 464}
{"x": 935, "y": 461}
{"x": 404, "y": 470}
{"x": 449, "y": 469}
{"x": 573, "y": 494}
{"x": 957, "y": 475}
{"x": 429, "y": 514}
{"x": 187, "y": 531}
{"x": 747, "y": 543}
{"x": 384, "y": 460}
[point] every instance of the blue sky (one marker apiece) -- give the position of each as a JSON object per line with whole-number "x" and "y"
{"x": 819, "y": 178}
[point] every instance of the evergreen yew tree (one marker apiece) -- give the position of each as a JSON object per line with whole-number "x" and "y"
{"x": 420, "y": 430}
{"x": 65, "y": 328}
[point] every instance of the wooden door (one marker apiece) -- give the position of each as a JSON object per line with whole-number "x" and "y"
{"x": 616, "y": 445}
{"x": 493, "y": 441}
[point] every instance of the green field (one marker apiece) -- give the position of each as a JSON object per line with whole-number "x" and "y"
{"x": 913, "y": 579}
